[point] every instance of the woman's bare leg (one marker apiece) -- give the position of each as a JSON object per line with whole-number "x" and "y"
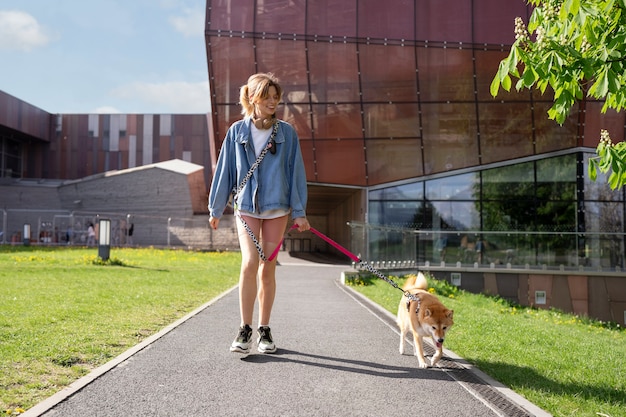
{"x": 249, "y": 269}
{"x": 272, "y": 231}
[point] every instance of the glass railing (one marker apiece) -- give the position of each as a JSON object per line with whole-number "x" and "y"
{"x": 388, "y": 246}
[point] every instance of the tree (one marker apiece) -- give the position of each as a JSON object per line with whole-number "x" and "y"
{"x": 578, "y": 49}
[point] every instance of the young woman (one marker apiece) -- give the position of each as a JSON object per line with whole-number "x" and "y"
{"x": 275, "y": 190}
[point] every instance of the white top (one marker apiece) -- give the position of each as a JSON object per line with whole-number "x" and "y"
{"x": 259, "y": 138}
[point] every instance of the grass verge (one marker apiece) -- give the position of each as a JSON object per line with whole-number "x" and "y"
{"x": 565, "y": 364}
{"x": 64, "y": 312}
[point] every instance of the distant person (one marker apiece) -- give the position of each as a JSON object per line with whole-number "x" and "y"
{"x": 263, "y": 204}
{"x": 69, "y": 234}
{"x": 91, "y": 235}
{"x": 131, "y": 229}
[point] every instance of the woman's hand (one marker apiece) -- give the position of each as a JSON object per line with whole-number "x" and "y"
{"x": 214, "y": 222}
{"x": 302, "y": 223}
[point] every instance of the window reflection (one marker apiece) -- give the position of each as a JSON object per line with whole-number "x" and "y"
{"x": 523, "y": 214}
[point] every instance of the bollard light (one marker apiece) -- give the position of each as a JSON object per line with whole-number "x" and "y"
{"x": 104, "y": 239}
{"x": 26, "y": 236}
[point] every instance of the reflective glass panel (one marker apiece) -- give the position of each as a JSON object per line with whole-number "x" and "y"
{"x": 391, "y": 120}
{"x": 341, "y": 120}
{"x": 445, "y": 74}
{"x": 549, "y": 135}
{"x": 231, "y": 77}
{"x": 450, "y": 136}
{"x": 412, "y": 191}
{"x": 291, "y": 16}
{"x": 505, "y": 131}
{"x": 508, "y": 182}
{"x": 450, "y": 23}
{"x": 391, "y": 160}
{"x": 378, "y": 19}
{"x": 388, "y": 73}
{"x": 556, "y": 178}
{"x": 456, "y": 187}
{"x": 599, "y": 189}
{"x": 330, "y": 17}
{"x": 340, "y": 161}
{"x": 333, "y": 72}
{"x": 235, "y": 15}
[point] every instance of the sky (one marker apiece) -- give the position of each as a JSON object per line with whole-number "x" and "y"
{"x": 105, "y": 56}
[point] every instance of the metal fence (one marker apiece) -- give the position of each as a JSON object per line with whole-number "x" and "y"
{"x": 60, "y": 227}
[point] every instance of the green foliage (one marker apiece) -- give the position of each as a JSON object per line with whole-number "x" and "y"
{"x": 578, "y": 49}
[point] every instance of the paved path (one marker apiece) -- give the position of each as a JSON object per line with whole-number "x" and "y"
{"x": 337, "y": 356}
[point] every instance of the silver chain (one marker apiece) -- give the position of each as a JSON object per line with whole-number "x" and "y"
{"x": 245, "y": 179}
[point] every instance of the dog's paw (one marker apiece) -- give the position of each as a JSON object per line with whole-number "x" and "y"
{"x": 422, "y": 365}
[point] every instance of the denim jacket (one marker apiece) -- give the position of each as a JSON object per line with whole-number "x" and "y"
{"x": 279, "y": 182}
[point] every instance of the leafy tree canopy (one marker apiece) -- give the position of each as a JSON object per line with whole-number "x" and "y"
{"x": 578, "y": 49}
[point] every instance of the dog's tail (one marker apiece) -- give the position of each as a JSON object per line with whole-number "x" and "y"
{"x": 416, "y": 282}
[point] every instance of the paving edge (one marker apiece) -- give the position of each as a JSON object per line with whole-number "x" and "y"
{"x": 390, "y": 319}
{"x": 47, "y": 404}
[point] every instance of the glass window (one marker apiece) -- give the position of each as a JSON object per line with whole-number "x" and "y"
{"x": 605, "y": 247}
{"x": 549, "y": 135}
{"x": 445, "y": 74}
{"x": 388, "y": 73}
{"x": 491, "y": 20}
{"x": 509, "y": 182}
{"x": 412, "y": 191}
{"x": 450, "y": 136}
{"x": 505, "y": 131}
{"x": 330, "y": 17}
{"x": 487, "y": 62}
{"x": 402, "y": 213}
{"x": 235, "y": 15}
{"x": 454, "y": 215}
{"x": 278, "y": 16}
{"x": 392, "y": 160}
{"x": 340, "y": 161}
{"x": 340, "y": 120}
{"x": 556, "y": 178}
{"x": 457, "y": 187}
{"x": 223, "y": 51}
{"x": 391, "y": 120}
{"x": 334, "y": 72}
{"x": 599, "y": 189}
{"x": 378, "y": 19}
{"x": 448, "y": 23}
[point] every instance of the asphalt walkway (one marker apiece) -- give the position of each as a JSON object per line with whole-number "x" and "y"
{"x": 337, "y": 356}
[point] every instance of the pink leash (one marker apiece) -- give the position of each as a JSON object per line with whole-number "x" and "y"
{"x": 325, "y": 238}
{"x": 352, "y": 256}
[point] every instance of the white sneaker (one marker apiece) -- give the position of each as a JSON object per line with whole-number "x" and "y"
{"x": 242, "y": 343}
{"x": 266, "y": 344}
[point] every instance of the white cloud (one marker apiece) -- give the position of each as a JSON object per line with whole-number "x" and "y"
{"x": 173, "y": 97}
{"x": 106, "y": 110}
{"x": 190, "y": 24}
{"x": 20, "y": 31}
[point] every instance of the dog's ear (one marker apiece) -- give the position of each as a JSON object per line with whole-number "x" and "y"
{"x": 449, "y": 314}
{"x": 427, "y": 312}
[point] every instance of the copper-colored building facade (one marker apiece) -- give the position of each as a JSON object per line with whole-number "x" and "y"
{"x": 393, "y": 98}
{"x": 383, "y": 91}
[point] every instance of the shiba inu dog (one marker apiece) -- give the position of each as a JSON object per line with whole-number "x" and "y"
{"x": 426, "y": 316}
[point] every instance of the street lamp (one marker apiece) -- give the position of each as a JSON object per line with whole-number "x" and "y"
{"x": 26, "y": 237}
{"x": 104, "y": 239}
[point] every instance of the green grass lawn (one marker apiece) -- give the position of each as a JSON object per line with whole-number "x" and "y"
{"x": 567, "y": 365}
{"x": 63, "y": 312}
